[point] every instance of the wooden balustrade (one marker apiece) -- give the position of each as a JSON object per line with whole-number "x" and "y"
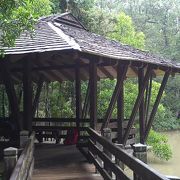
{"x": 24, "y": 166}
{"x": 138, "y": 167}
{"x": 45, "y": 127}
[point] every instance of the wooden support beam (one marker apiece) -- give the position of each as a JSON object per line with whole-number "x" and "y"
{"x": 93, "y": 93}
{"x": 142, "y": 106}
{"x": 11, "y": 93}
{"x": 106, "y": 72}
{"x": 114, "y": 97}
{"x": 86, "y": 102}
{"x": 37, "y": 95}
{"x": 137, "y": 104}
{"x": 60, "y": 67}
{"x": 56, "y": 76}
{"x": 120, "y": 106}
{"x": 78, "y": 95}
{"x": 51, "y": 75}
{"x": 135, "y": 70}
{"x": 27, "y": 87}
{"x": 64, "y": 72}
{"x": 148, "y": 99}
{"x": 156, "y": 104}
{"x": 20, "y": 96}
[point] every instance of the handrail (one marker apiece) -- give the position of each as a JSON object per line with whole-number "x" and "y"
{"x": 70, "y": 120}
{"x": 138, "y": 167}
{"x": 62, "y": 123}
{"x": 44, "y": 128}
{"x": 24, "y": 165}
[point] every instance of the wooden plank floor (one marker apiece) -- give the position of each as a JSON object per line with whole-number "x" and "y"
{"x": 58, "y": 162}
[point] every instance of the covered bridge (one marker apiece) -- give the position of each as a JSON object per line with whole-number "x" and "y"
{"x": 62, "y": 49}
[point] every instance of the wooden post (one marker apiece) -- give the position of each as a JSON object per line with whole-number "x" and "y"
{"x": 93, "y": 94}
{"x": 10, "y": 159}
{"x": 137, "y": 104}
{"x": 114, "y": 97}
{"x": 120, "y": 106}
{"x": 11, "y": 93}
{"x": 140, "y": 152}
{"x": 37, "y": 96}
{"x": 24, "y": 136}
{"x": 141, "y": 107}
{"x": 156, "y": 104}
{"x": 118, "y": 162}
{"x": 27, "y": 103}
{"x": 78, "y": 96}
{"x": 107, "y": 134}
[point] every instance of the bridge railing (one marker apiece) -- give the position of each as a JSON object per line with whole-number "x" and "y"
{"x": 101, "y": 158}
{"x": 44, "y": 128}
{"x": 25, "y": 163}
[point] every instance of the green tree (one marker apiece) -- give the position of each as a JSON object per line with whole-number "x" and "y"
{"x": 160, "y": 146}
{"x": 18, "y": 16}
{"x": 159, "y": 20}
{"x": 124, "y": 31}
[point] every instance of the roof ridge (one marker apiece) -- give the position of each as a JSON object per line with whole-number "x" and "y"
{"x": 70, "y": 40}
{"x": 65, "y": 18}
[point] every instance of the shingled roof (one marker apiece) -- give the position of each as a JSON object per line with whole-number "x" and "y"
{"x": 65, "y": 32}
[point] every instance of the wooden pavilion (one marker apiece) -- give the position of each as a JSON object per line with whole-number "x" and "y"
{"x": 62, "y": 49}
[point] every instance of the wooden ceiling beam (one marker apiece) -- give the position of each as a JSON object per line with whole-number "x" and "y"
{"x": 64, "y": 72}
{"x": 54, "y": 74}
{"x": 106, "y": 72}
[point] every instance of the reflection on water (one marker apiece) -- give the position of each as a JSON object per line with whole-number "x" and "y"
{"x": 171, "y": 167}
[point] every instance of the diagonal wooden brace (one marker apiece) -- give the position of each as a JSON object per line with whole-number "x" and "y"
{"x": 86, "y": 103}
{"x": 114, "y": 97}
{"x": 156, "y": 104}
{"x": 137, "y": 104}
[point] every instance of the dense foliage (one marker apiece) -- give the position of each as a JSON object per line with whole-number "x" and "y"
{"x": 18, "y": 16}
{"x": 160, "y": 146}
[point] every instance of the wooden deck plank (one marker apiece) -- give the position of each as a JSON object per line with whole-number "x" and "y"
{"x": 58, "y": 162}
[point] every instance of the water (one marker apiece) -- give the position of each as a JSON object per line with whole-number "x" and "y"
{"x": 171, "y": 167}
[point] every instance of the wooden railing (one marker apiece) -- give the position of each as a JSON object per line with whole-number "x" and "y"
{"x": 57, "y": 127}
{"x": 45, "y": 127}
{"x": 97, "y": 155}
{"x": 24, "y": 166}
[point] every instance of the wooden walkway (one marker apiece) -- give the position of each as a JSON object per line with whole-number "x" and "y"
{"x": 58, "y": 162}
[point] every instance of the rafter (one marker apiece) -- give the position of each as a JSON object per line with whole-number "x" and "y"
{"x": 106, "y": 72}
{"x": 68, "y": 75}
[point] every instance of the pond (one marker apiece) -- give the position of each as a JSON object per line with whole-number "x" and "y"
{"x": 171, "y": 167}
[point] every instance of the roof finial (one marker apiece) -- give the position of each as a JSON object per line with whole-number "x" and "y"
{"x": 67, "y": 6}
